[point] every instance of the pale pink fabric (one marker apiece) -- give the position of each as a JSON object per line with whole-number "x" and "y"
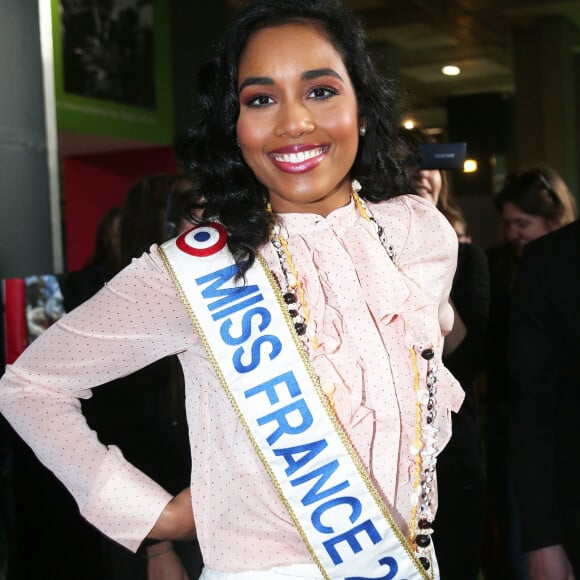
{"x": 367, "y": 312}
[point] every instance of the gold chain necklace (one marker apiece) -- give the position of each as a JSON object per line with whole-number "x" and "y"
{"x": 422, "y": 448}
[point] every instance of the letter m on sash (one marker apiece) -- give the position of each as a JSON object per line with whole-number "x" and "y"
{"x": 227, "y": 300}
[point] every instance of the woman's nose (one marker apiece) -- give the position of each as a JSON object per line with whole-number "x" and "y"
{"x": 295, "y": 120}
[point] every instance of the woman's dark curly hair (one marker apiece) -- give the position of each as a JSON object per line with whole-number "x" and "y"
{"x": 232, "y": 193}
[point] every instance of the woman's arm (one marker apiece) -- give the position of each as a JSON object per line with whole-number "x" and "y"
{"x": 549, "y": 563}
{"x": 136, "y": 319}
{"x": 163, "y": 563}
{"x": 457, "y": 334}
{"x": 176, "y": 521}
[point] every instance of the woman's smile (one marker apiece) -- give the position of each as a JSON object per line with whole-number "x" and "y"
{"x": 298, "y": 158}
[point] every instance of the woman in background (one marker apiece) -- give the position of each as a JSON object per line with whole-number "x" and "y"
{"x": 459, "y": 524}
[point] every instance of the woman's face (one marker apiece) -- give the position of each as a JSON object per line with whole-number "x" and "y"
{"x": 426, "y": 183}
{"x": 521, "y": 228}
{"x": 298, "y": 128}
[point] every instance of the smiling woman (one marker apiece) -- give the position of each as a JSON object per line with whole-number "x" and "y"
{"x": 307, "y": 306}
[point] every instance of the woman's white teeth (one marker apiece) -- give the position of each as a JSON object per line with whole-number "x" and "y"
{"x": 299, "y": 157}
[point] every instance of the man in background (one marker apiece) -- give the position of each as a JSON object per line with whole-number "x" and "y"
{"x": 545, "y": 363}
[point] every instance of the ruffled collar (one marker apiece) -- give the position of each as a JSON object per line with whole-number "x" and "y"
{"x": 305, "y": 223}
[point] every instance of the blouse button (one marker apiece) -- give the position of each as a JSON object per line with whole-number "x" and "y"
{"x": 425, "y": 562}
{"x": 300, "y": 328}
{"x": 428, "y": 354}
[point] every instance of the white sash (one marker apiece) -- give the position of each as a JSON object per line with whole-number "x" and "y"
{"x": 246, "y": 331}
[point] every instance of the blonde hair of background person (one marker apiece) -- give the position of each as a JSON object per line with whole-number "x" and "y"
{"x": 560, "y": 187}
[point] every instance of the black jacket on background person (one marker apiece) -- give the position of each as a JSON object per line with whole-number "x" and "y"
{"x": 458, "y": 528}
{"x": 544, "y": 351}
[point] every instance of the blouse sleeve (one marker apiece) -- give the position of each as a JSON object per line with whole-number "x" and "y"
{"x": 425, "y": 247}
{"x": 136, "y": 319}
{"x": 426, "y": 255}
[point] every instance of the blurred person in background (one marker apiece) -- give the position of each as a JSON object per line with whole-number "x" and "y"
{"x": 544, "y": 353}
{"x": 103, "y": 264}
{"x": 461, "y": 228}
{"x": 531, "y": 203}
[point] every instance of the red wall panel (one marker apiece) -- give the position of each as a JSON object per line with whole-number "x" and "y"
{"x": 92, "y": 184}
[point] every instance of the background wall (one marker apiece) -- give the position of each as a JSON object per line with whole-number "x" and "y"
{"x": 26, "y": 245}
{"x": 540, "y": 119}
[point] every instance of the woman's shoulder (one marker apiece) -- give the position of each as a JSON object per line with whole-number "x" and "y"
{"x": 412, "y": 217}
{"x": 409, "y": 206}
{"x": 146, "y": 271}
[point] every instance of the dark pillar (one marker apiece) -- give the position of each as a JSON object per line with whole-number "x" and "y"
{"x": 193, "y": 34}
{"x": 485, "y": 122}
{"x": 546, "y": 96}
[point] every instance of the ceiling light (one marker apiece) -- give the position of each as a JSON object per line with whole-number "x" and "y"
{"x": 409, "y": 124}
{"x": 451, "y": 70}
{"x": 470, "y": 166}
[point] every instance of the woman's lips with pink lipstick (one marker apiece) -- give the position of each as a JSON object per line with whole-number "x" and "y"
{"x": 298, "y": 158}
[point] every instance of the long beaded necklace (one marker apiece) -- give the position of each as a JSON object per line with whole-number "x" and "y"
{"x": 423, "y": 445}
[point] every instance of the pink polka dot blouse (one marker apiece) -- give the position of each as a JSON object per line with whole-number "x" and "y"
{"x": 367, "y": 311}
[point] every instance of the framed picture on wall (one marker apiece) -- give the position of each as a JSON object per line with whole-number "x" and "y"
{"x": 113, "y": 68}
{"x": 30, "y": 306}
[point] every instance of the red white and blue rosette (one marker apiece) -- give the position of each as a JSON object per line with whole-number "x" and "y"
{"x": 203, "y": 240}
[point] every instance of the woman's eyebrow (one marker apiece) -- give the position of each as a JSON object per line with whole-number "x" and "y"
{"x": 320, "y": 72}
{"x": 255, "y": 81}
{"x": 305, "y": 76}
